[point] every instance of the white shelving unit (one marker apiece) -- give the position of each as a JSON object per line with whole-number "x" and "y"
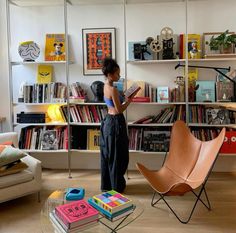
{"x": 134, "y": 20}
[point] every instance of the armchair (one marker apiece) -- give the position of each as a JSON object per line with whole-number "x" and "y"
{"x": 22, "y": 183}
{"x": 186, "y": 168}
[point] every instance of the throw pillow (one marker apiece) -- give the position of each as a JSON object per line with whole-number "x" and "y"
{"x": 9, "y": 154}
{"x": 12, "y": 168}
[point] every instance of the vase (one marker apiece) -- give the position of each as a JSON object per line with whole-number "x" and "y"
{"x": 29, "y": 51}
{"x": 228, "y": 50}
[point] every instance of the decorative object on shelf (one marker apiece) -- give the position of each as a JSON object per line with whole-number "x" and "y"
{"x": 166, "y": 36}
{"x": 180, "y": 89}
{"x": 74, "y": 194}
{"x": 217, "y": 116}
{"x": 21, "y": 93}
{"x": 224, "y": 91}
{"x": 98, "y": 43}
{"x": 29, "y": 51}
{"x": 54, "y": 113}
{"x": 97, "y": 89}
{"x": 139, "y": 50}
{"x": 55, "y": 47}
{"x": 155, "y": 46}
{"x": 218, "y": 44}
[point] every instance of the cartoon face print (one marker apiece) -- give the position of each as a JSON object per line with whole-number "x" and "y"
{"x": 58, "y": 48}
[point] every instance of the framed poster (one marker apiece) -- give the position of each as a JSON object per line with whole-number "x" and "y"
{"x": 98, "y": 43}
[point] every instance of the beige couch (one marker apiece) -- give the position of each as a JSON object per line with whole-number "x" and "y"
{"x": 22, "y": 183}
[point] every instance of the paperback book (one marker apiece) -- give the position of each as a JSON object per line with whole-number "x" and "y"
{"x": 132, "y": 89}
{"x": 93, "y": 139}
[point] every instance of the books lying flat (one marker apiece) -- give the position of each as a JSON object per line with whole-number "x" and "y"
{"x": 76, "y": 213}
{"x": 133, "y": 88}
{"x": 112, "y": 201}
{"x": 112, "y": 217}
{"x": 60, "y": 228}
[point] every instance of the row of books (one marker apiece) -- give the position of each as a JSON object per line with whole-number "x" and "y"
{"x": 209, "y": 115}
{"x": 85, "y": 113}
{"x": 149, "y": 139}
{"x": 167, "y": 115}
{"x": 43, "y": 138}
{"x": 44, "y": 93}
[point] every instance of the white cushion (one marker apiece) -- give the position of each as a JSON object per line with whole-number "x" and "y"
{"x": 17, "y": 178}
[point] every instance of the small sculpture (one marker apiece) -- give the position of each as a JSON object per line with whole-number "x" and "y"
{"x": 29, "y": 51}
{"x": 97, "y": 89}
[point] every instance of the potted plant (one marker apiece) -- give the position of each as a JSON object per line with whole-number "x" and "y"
{"x": 225, "y": 42}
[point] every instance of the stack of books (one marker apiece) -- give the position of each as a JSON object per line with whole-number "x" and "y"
{"x": 73, "y": 217}
{"x": 112, "y": 205}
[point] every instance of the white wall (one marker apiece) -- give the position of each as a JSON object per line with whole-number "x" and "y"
{"x": 142, "y": 21}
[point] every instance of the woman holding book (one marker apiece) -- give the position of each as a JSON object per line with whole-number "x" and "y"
{"x": 114, "y": 142}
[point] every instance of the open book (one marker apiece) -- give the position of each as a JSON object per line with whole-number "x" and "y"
{"x": 133, "y": 88}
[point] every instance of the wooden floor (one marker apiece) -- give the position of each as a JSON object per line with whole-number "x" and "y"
{"x": 23, "y": 215}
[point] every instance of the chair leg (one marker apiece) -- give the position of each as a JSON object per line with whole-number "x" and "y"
{"x": 189, "y": 217}
{"x": 154, "y": 203}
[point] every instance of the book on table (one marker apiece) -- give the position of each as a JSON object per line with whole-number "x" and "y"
{"x": 112, "y": 217}
{"x": 112, "y": 201}
{"x": 76, "y": 213}
{"x": 60, "y": 227}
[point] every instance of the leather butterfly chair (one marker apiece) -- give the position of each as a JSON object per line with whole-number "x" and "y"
{"x": 186, "y": 167}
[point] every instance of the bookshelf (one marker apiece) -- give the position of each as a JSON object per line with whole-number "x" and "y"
{"x": 71, "y": 16}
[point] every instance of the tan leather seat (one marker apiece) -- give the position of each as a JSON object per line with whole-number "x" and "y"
{"x": 187, "y": 166}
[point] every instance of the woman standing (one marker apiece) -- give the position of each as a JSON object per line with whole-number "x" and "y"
{"x": 114, "y": 142}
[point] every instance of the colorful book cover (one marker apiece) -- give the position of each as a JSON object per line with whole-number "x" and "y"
{"x": 217, "y": 116}
{"x": 93, "y": 139}
{"x": 205, "y": 91}
{"x": 76, "y": 213}
{"x": 112, "y": 201}
{"x": 44, "y": 74}
{"x": 163, "y": 94}
{"x": 55, "y": 47}
{"x": 224, "y": 91}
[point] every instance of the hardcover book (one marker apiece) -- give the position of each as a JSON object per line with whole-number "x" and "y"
{"x": 44, "y": 74}
{"x": 217, "y": 116}
{"x": 163, "y": 94}
{"x": 229, "y": 144}
{"x": 49, "y": 140}
{"x": 131, "y": 89}
{"x": 93, "y": 139}
{"x": 55, "y": 47}
{"x": 206, "y": 91}
{"x": 112, "y": 201}
{"x": 194, "y": 46}
{"x": 224, "y": 91}
{"x": 76, "y": 213}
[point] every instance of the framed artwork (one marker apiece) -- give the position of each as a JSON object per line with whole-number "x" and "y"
{"x": 98, "y": 43}
{"x": 215, "y": 52}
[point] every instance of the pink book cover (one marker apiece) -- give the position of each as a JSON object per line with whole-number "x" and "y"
{"x": 76, "y": 213}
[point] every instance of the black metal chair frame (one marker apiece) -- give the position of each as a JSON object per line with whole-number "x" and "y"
{"x": 208, "y": 205}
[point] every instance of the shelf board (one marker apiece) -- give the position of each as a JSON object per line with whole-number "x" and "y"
{"x": 45, "y": 151}
{"x": 213, "y": 59}
{"x": 23, "y": 3}
{"x": 85, "y": 123}
{"x": 36, "y": 104}
{"x": 85, "y": 151}
{"x": 150, "y": 125}
{"x": 156, "y": 103}
{"x": 87, "y": 103}
{"x": 155, "y": 61}
{"x": 40, "y": 124}
{"x": 207, "y": 125}
{"x": 15, "y": 63}
{"x": 213, "y": 103}
{"x": 147, "y": 152}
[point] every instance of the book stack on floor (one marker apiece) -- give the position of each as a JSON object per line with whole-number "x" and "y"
{"x": 112, "y": 205}
{"x": 73, "y": 217}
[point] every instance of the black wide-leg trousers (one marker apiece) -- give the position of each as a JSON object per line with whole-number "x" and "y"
{"x": 114, "y": 147}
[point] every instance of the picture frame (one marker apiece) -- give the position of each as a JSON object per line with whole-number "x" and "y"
{"x": 97, "y": 43}
{"x": 208, "y": 53}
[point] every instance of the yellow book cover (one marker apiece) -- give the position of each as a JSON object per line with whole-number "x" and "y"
{"x": 93, "y": 136}
{"x": 44, "y": 74}
{"x": 194, "y": 46}
{"x": 55, "y": 47}
{"x": 192, "y": 76}
{"x": 140, "y": 83}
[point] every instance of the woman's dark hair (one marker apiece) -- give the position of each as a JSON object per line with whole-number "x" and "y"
{"x": 109, "y": 66}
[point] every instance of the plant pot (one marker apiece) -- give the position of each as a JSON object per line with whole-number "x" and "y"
{"x": 230, "y": 49}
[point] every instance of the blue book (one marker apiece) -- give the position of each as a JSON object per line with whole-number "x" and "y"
{"x": 163, "y": 94}
{"x": 205, "y": 91}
